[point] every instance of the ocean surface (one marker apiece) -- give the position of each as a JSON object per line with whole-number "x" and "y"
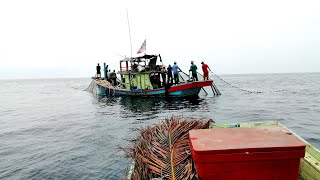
{"x": 53, "y": 129}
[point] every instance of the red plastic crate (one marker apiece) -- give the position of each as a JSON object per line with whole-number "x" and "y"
{"x": 261, "y": 153}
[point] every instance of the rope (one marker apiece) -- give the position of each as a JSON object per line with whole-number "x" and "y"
{"x": 236, "y": 87}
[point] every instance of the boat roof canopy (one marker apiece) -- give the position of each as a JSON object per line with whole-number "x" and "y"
{"x": 145, "y": 63}
{"x": 143, "y": 58}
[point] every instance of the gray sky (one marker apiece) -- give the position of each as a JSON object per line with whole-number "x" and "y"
{"x": 43, "y": 39}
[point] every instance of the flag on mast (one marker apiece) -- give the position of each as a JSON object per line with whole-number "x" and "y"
{"x": 143, "y": 47}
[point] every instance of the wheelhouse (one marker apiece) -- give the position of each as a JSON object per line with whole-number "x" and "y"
{"x": 141, "y": 73}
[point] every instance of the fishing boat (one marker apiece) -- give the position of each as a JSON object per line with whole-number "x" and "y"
{"x": 308, "y": 167}
{"x": 141, "y": 76}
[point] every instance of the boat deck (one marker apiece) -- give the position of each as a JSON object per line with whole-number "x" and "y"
{"x": 103, "y": 83}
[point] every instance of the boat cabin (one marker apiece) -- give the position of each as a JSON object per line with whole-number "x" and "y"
{"x": 141, "y": 73}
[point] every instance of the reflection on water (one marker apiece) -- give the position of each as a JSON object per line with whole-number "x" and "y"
{"x": 107, "y": 100}
{"x": 142, "y": 105}
{"x": 154, "y": 104}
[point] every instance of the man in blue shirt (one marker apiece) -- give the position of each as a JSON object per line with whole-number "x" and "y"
{"x": 175, "y": 69}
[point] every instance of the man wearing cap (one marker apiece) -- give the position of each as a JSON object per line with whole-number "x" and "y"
{"x": 205, "y": 68}
{"x": 193, "y": 69}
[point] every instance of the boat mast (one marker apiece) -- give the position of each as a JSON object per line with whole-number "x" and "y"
{"x": 130, "y": 49}
{"x": 129, "y": 33}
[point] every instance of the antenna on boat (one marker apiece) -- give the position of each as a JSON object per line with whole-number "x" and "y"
{"x": 129, "y": 32}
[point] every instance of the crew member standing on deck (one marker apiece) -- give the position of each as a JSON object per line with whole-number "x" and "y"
{"x": 163, "y": 75}
{"x": 205, "y": 68}
{"x": 175, "y": 69}
{"x": 193, "y": 69}
{"x": 169, "y": 71}
{"x": 113, "y": 77}
{"x": 98, "y": 70}
{"x": 105, "y": 69}
{"x": 108, "y": 76}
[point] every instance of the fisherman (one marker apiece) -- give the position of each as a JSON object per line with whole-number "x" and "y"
{"x": 163, "y": 75}
{"x": 205, "y": 68}
{"x": 105, "y": 69}
{"x": 98, "y": 70}
{"x": 193, "y": 69}
{"x": 108, "y": 76}
{"x": 113, "y": 77}
{"x": 158, "y": 81}
{"x": 175, "y": 69}
{"x": 169, "y": 71}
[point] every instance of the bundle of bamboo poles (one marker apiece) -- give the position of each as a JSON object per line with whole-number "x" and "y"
{"x": 163, "y": 151}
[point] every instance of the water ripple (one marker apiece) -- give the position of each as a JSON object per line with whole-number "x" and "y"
{"x": 51, "y": 129}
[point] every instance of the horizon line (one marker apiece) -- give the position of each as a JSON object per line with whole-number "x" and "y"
{"x": 214, "y": 73}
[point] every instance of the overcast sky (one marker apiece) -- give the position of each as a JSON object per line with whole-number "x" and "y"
{"x": 47, "y": 39}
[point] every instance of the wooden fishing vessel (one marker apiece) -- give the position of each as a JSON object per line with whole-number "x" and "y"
{"x": 141, "y": 76}
{"x": 309, "y": 165}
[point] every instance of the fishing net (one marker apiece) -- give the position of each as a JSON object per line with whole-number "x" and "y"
{"x": 92, "y": 87}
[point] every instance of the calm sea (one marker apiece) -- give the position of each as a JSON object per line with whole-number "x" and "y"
{"x": 52, "y": 129}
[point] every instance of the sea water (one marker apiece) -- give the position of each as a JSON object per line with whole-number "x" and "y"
{"x": 52, "y": 129}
